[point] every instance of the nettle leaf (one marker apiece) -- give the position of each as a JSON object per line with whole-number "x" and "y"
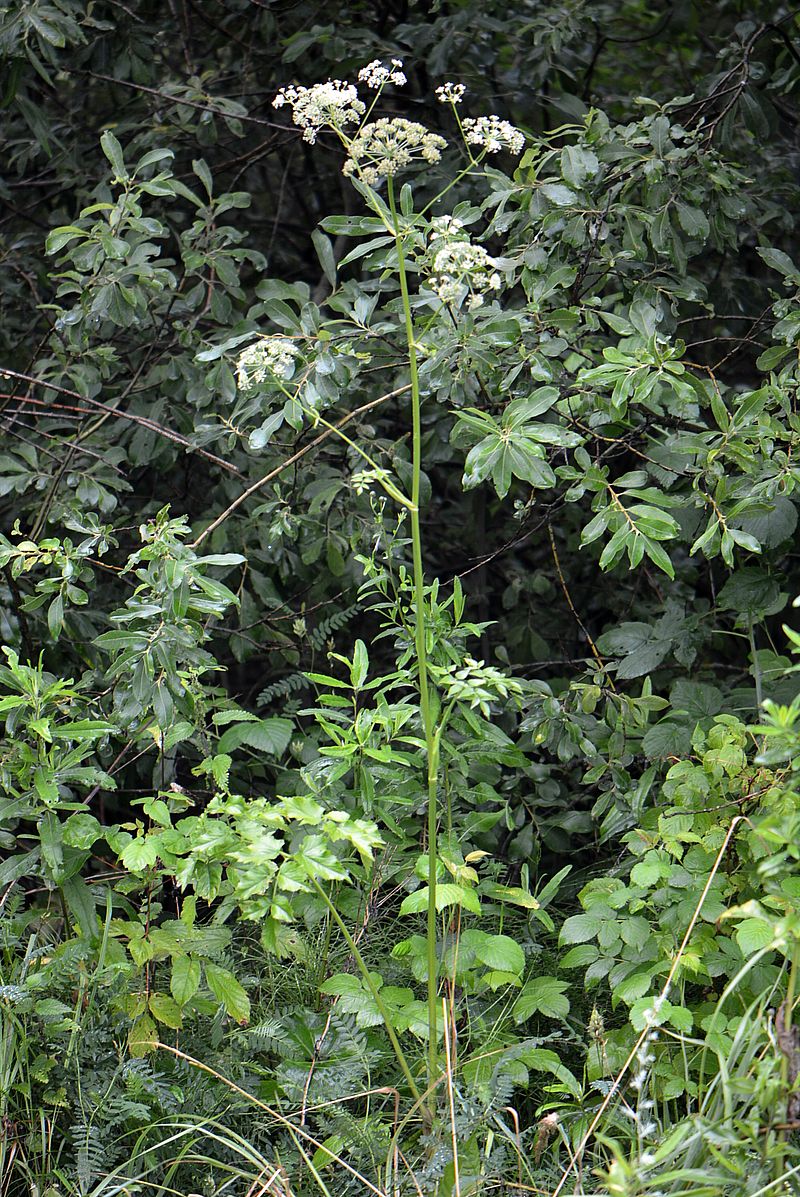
{"x": 542, "y": 995}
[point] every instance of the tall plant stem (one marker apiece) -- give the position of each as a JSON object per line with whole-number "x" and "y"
{"x": 431, "y": 744}
{"x": 372, "y": 987}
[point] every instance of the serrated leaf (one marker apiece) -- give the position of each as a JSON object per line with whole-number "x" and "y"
{"x": 165, "y": 1009}
{"x": 142, "y": 1037}
{"x": 185, "y": 979}
{"x": 267, "y": 735}
{"x": 226, "y": 989}
{"x": 501, "y": 952}
{"x": 542, "y": 995}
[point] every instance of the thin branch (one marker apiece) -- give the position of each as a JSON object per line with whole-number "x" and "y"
{"x": 177, "y": 437}
{"x": 323, "y": 436}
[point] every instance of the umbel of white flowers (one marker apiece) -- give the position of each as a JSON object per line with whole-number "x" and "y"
{"x": 325, "y": 105}
{"x": 266, "y": 358}
{"x": 382, "y": 148}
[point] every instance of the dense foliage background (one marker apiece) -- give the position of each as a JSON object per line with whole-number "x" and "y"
{"x": 222, "y": 956}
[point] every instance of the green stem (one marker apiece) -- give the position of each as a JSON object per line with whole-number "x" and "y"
{"x": 788, "y": 1005}
{"x": 751, "y": 632}
{"x": 391, "y": 490}
{"x": 371, "y": 986}
{"x": 431, "y": 745}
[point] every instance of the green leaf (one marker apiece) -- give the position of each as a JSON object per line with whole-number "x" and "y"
{"x": 778, "y": 260}
{"x": 558, "y": 194}
{"x": 578, "y": 164}
{"x": 541, "y": 1059}
{"x": 165, "y": 1009}
{"x": 754, "y": 934}
{"x": 692, "y": 220}
{"x": 501, "y": 952}
{"x": 58, "y": 238}
{"x": 113, "y": 151}
{"x": 579, "y": 928}
{"x": 50, "y": 838}
{"x": 142, "y": 1037}
{"x": 271, "y": 736}
{"x": 360, "y": 666}
{"x": 324, "y": 250}
{"x": 542, "y": 995}
{"x": 185, "y": 979}
{"x": 447, "y": 894}
{"x": 80, "y": 902}
{"x": 139, "y": 854}
{"x": 81, "y": 830}
{"x": 229, "y": 992}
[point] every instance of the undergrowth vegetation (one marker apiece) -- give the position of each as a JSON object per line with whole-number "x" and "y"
{"x": 398, "y": 497}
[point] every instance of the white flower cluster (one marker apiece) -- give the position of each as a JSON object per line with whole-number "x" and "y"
{"x": 451, "y": 93}
{"x": 269, "y": 357}
{"x": 375, "y": 74}
{"x": 333, "y": 104}
{"x": 642, "y": 1116}
{"x": 457, "y": 269}
{"x": 386, "y": 146}
{"x": 493, "y": 135}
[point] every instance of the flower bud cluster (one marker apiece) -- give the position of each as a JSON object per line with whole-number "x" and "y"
{"x": 269, "y": 357}
{"x": 386, "y": 146}
{"x": 450, "y": 93}
{"x": 325, "y": 105}
{"x": 459, "y": 270}
{"x": 376, "y": 75}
